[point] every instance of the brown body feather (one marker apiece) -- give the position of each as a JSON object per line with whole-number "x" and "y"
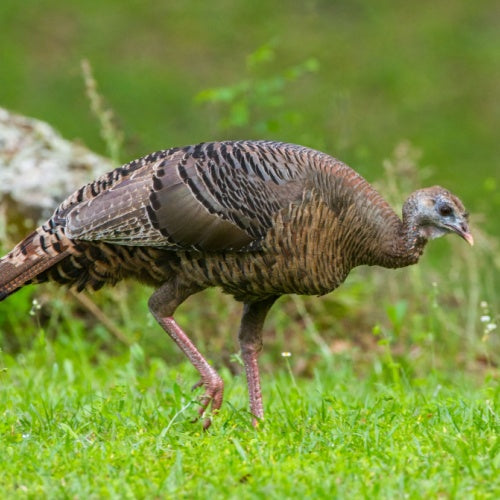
{"x": 258, "y": 219}
{"x": 222, "y": 214}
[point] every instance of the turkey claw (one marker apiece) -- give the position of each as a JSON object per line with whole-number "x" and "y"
{"x": 213, "y": 396}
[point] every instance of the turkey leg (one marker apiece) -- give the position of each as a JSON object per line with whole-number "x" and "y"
{"x": 250, "y": 337}
{"x": 162, "y": 305}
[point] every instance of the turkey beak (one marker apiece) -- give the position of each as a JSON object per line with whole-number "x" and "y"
{"x": 462, "y": 229}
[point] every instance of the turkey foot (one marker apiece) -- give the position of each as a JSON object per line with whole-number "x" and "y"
{"x": 213, "y": 395}
{"x": 210, "y": 379}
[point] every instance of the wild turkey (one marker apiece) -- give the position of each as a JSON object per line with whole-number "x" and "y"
{"x": 258, "y": 219}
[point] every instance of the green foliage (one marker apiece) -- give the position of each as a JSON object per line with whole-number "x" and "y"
{"x": 258, "y": 102}
{"x": 121, "y": 427}
{"x": 16, "y": 320}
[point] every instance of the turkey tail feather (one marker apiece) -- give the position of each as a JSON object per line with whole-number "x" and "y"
{"x": 28, "y": 259}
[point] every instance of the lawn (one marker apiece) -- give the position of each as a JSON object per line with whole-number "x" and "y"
{"x": 80, "y": 423}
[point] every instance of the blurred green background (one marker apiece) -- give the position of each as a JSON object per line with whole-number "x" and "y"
{"x": 352, "y": 78}
{"x": 376, "y": 73}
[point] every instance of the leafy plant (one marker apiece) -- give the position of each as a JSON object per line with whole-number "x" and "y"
{"x": 258, "y": 101}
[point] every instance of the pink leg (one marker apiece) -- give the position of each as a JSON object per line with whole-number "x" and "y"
{"x": 162, "y": 305}
{"x": 210, "y": 379}
{"x": 250, "y": 337}
{"x": 253, "y": 381}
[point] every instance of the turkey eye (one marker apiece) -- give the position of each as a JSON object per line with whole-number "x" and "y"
{"x": 445, "y": 210}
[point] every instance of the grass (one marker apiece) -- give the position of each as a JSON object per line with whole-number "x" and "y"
{"x": 80, "y": 423}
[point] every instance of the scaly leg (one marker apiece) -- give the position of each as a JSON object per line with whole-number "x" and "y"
{"x": 250, "y": 337}
{"x": 162, "y": 305}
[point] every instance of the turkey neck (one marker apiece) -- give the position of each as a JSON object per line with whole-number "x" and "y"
{"x": 393, "y": 242}
{"x": 406, "y": 247}
{"x": 379, "y": 236}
